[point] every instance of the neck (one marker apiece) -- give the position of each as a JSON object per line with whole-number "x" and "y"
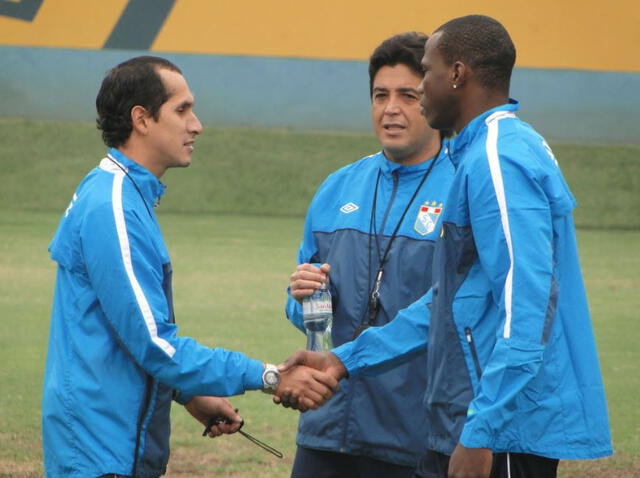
{"x": 477, "y": 101}
{"x": 142, "y": 157}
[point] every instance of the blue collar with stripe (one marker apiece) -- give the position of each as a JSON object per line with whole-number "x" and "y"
{"x": 469, "y": 132}
{"x": 150, "y": 186}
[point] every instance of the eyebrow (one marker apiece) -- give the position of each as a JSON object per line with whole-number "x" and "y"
{"x": 185, "y": 104}
{"x": 401, "y": 89}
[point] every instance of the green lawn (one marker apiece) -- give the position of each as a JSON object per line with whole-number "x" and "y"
{"x": 229, "y": 276}
{"x": 258, "y": 171}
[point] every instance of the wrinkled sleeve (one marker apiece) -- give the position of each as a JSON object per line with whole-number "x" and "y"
{"x": 512, "y": 228}
{"x": 379, "y": 349}
{"x": 126, "y": 272}
{"x": 306, "y": 253}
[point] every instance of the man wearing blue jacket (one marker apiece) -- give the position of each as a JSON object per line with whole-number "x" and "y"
{"x": 115, "y": 361}
{"x": 513, "y": 380}
{"x": 375, "y": 222}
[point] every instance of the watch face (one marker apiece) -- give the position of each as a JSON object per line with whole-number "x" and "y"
{"x": 271, "y": 378}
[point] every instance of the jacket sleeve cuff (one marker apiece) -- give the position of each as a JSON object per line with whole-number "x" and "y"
{"x": 181, "y": 398}
{"x": 254, "y": 375}
{"x": 475, "y": 435}
{"x": 294, "y": 311}
{"x": 345, "y": 353}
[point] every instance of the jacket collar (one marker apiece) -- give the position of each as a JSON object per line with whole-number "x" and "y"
{"x": 390, "y": 167}
{"x": 150, "y": 186}
{"x": 475, "y": 126}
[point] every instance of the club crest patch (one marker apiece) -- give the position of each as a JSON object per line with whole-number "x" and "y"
{"x": 427, "y": 219}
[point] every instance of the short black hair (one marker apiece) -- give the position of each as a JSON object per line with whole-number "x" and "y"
{"x": 404, "y": 48}
{"x": 482, "y": 43}
{"x": 135, "y": 82}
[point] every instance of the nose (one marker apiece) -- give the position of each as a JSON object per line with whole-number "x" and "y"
{"x": 392, "y": 106}
{"x": 195, "y": 126}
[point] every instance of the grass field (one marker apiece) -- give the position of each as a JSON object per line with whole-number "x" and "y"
{"x": 258, "y": 172}
{"x": 230, "y": 272}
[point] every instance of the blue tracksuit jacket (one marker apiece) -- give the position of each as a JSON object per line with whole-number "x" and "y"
{"x": 511, "y": 358}
{"x": 381, "y": 416}
{"x": 114, "y": 358}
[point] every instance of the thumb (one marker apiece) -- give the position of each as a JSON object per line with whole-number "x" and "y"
{"x": 296, "y": 359}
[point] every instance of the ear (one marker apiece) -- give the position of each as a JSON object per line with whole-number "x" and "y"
{"x": 459, "y": 74}
{"x": 140, "y": 118}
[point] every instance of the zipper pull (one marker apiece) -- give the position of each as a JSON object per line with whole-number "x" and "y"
{"x": 467, "y": 333}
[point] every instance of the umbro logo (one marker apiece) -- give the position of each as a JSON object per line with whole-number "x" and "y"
{"x": 349, "y": 207}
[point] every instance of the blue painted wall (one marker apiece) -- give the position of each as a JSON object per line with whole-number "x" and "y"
{"x": 61, "y": 84}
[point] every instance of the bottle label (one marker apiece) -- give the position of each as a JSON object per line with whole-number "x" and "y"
{"x": 316, "y": 307}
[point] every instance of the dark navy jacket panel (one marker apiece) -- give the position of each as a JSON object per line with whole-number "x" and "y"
{"x": 449, "y": 389}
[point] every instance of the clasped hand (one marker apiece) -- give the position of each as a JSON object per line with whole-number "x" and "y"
{"x": 308, "y": 380}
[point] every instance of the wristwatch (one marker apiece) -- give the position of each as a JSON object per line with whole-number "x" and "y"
{"x": 270, "y": 378}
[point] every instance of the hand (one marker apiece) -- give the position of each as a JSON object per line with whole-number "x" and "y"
{"x": 470, "y": 462}
{"x": 303, "y": 388}
{"x": 306, "y": 279}
{"x": 204, "y": 408}
{"x": 323, "y": 361}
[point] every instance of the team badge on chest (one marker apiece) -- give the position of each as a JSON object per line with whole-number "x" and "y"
{"x": 427, "y": 219}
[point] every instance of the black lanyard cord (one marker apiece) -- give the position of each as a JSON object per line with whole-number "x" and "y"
{"x": 219, "y": 420}
{"x": 134, "y": 183}
{"x": 374, "y": 292}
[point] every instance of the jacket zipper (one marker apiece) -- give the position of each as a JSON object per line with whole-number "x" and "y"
{"x": 354, "y": 381}
{"x": 474, "y": 353}
{"x": 394, "y": 190}
{"x": 142, "y": 416}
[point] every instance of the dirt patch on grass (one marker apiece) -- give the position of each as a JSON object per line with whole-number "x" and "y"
{"x": 13, "y": 469}
{"x": 620, "y": 466}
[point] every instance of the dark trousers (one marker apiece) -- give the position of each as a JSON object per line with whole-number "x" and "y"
{"x": 505, "y": 465}
{"x": 326, "y": 464}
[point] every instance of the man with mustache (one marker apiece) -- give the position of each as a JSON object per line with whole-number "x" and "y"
{"x": 374, "y": 223}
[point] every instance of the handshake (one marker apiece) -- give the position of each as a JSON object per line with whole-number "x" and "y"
{"x": 308, "y": 379}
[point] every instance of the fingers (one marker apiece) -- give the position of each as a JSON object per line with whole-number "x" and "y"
{"x": 306, "y": 279}
{"x": 303, "y": 388}
{"x": 224, "y": 425}
{"x": 215, "y": 431}
{"x": 205, "y": 409}
{"x": 325, "y": 383}
{"x": 298, "y": 358}
{"x": 290, "y": 399}
{"x": 225, "y": 428}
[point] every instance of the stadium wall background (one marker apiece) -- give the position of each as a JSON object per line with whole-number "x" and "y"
{"x": 303, "y": 64}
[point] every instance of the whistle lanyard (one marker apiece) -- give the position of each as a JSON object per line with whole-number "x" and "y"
{"x": 144, "y": 201}
{"x": 219, "y": 420}
{"x": 373, "y": 303}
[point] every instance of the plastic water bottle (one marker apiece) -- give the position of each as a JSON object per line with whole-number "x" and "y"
{"x": 317, "y": 314}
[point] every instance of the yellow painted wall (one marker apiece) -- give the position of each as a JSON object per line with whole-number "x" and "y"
{"x": 587, "y": 34}
{"x": 64, "y": 24}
